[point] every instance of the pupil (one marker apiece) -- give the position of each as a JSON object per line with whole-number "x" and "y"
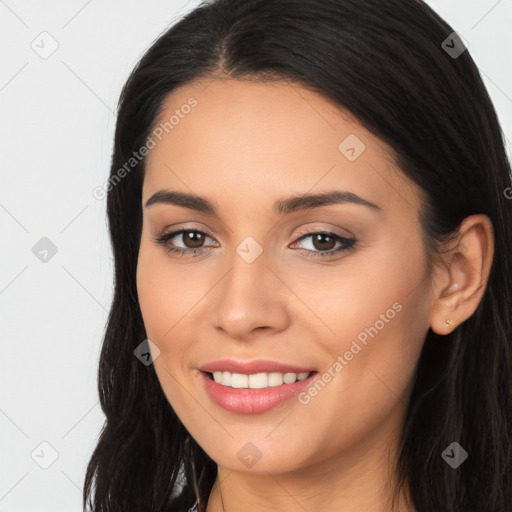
{"x": 321, "y": 238}
{"x": 195, "y": 238}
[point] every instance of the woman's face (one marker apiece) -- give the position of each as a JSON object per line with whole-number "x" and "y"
{"x": 263, "y": 291}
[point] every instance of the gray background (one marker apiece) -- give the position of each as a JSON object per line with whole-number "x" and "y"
{"x": 56, "y": 130}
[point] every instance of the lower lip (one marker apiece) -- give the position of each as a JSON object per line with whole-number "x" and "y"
{"x": 252, "y": 401}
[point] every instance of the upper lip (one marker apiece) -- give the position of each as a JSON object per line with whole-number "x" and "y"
{"x": 251, "y": 367}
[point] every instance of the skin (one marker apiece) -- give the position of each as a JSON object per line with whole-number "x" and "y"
{"x": 246, "y": 145}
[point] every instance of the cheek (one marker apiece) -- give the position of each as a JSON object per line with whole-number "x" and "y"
{"x": 163, "y": 308}
{"x": 369, "y": 372}
{"x": 379, "y": 315}
{"x": 155, "y": 303}
{"x": 165, "y": 293}
{"x": 372, "y": 295}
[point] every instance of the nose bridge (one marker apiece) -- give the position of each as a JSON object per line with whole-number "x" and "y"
{"x": 247, "y": 280}
{"x": 249, "y": 296}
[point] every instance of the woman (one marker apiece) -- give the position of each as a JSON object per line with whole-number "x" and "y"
{"x": 309, "y": 217}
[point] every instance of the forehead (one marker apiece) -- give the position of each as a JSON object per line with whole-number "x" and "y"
{"x": 260, "y": 139}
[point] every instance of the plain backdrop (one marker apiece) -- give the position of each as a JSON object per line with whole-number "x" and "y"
{"x": 62, "y": 68}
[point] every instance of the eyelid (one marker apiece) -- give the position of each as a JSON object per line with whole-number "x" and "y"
{"x": 317, "y": 229}
{"x": 301, "y": 232}
{"x": 185, "y": 227}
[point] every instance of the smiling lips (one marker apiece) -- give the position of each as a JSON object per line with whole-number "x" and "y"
{"x": 257, "y": 380}
{"x": 255, "y": 386}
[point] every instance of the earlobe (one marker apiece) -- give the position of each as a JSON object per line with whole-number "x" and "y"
{"x": 449, "y": 323}
{"x": 466, "y": 268}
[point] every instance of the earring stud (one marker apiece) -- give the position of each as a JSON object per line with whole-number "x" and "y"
{"x": 449, "y": 322}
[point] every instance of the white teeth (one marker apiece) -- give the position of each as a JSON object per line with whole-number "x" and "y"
{"x": 257, "y": 380}
{"x": 289, "y": 378}
{"x": 275, "y": 379}
{"x": 239, "y": 380}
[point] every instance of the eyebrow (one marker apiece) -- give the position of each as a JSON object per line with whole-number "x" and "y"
{"x": 284, "y": 206}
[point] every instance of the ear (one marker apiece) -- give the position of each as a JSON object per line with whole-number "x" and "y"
{"x": 462, "y": 278}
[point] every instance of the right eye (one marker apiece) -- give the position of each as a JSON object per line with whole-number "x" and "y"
{"x": 188, "y": 236}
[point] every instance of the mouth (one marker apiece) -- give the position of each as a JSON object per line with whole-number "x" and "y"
{"x": 253, "y": 393}
{"x": 260, "y": 380}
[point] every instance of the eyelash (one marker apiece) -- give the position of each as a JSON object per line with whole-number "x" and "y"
{"x": 164, "y": 238}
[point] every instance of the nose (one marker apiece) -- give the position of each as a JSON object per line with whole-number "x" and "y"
{"x": 251, "y": 298}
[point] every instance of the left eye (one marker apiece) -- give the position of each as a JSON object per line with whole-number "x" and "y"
{"x": 193, "y": 240}
{"x": 319, "y": 240}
